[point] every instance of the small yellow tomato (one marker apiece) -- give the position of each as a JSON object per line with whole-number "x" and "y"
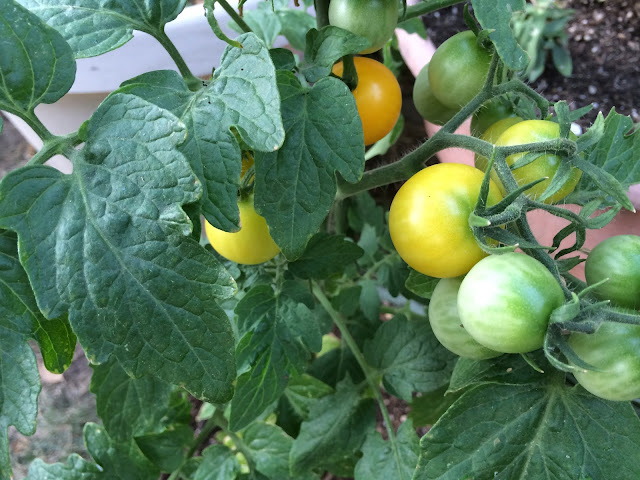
{"x": 251, "y": 245}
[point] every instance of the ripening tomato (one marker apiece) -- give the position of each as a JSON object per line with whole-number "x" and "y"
{"x": 426, "y": 103}
{"x": 531, "y": 131}
{"x": 429, "y": 219}
{"x": 446, "y": 325}
{"x": 251, "y": 245}
{"x": 378, "y": 97}
{"x": 505, "y": 302}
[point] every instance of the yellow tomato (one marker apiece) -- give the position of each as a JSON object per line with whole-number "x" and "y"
{"x": 378, "y": 97}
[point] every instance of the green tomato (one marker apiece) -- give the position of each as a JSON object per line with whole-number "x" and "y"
{"x": 458, "y": 69}
{"x": 428, "y": 106}
{"x": 373, "y": 19}
{"x": 446, "y": 325}
{"x": 614, "y": 351}
{"x": 618, "y": 259}
{"x": 505, "y": 302}
{"x": 489, "y": 113}
{"x": 531, "y": 131}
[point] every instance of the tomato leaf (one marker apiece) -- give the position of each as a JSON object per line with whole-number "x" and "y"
{"x": 263, "y": 21}
{"x": 496, "y": 15}
{"x": 107, "y": 245}
{"x": 303, "y": 391}
{"x": 333, "y": 434}
{"x": 166, "y": 449}
{"x": 506, "y": 369}
{"x": 296, "y": 185}
{"x": 615, "y": 152}
{"x": 409, "y": 356}
{"x": 114, "y": 461}
{"x": 381, "y": 460}
{"x": 218, "y": 462}
{"x": 324, "y": 256}
{"x": 277, "y": 332}
{"x": 243, "y": 96}
{"x": 295, "y": 25}
{"x": 531, "y": 431}
{"x": 269, "y": 447}
{"x": 92, "y": 27}
{"x": 421, "y": 285}
{"x": 40, "y": 68}
{"x": 129, "y": 406}
{"x": 325, "y": 47}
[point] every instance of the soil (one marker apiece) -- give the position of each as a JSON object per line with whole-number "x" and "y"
{"x": 605, "y": 47}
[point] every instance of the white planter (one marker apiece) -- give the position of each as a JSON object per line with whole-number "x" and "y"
{"x": 97, "y": 76}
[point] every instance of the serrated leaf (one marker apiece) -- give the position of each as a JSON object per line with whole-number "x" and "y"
{"x": 114, "y": 461}
{"x": 427, "y": 408}
{"x": 496, "y": 15}
{"x": 295, "y": 25}
{"x": 269, "y": 447}
{"x": 166, "y": 449}
{"x": 303, "y": 391}
{"x": 92, "y": 27}
{"x": 324, "y": 256}
{"x": 241, "y": 95}
{"x": 616, "y": 152}
{"x": 36, "y": 66}
{"x": 506, "y": 369}
{"x": 409, "y": 356}
{"x": 383, "y": 460}
{"x": 325, "y": 47}
{"x": 278, "y": 331}
{"x": 421, "y": 285}
{"x": 19, "y": 311}
{"x": 263, "y": 21}
{"x": 129, "y": 406}
{"x": 218, "y": 463}
{"x": 109, "y": 249}
{"x": 522, "y": 432}
{"x": 296, "y": 186}
{"x": 336, "y": 428}
{"x": 19, "y": 390}
{"x": 282, "y": 59}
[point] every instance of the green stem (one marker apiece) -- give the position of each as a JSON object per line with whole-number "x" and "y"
{"x": 322, "y": 13}
{"x": 349, "y": 73}
{"x": 54, "y": 146}
{"x": 369, "y": 375}
{"x": 192, "y": 81}
{"x": 425, "y": 7}
{"x": 221, "y": 421}
{"x": 235, "y": 16}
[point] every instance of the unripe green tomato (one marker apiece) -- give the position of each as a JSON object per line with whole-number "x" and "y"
{"x": 531, "y": 131}
{"x": 618, "y": 259}
{"x": 373, "y": 19}
{"x": 428, "y": 106}
{"x": 614, "y": 351}
{"x": 491, "y": 135}
{"x": 505, "y": 302}
{"x": 458, "y": 69}
{"x": 489, "y": 113}
{"x": 446, "y": 325}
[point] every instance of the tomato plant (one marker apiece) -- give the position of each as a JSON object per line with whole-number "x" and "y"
{"x": 618, "y": 260}
{"x": 373, "y": 19}
{"x": 446, "y": 324}
{"x": 428, "y": 106}
{"x": 505, "y": 302}
{"x": 491, "y": 135}
{"x": 458, "y": 69}
{"x": 251, "y": 245}
{"x": 429, "y": 219}
{"x": 292, "y": 362}
{"x": 378, "y": 98}
{"x": 613, "y": 353}
{"x": 546, "y": 165}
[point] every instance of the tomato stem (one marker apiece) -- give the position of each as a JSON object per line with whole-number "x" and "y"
{"x": 322, "y": 13}
{"x": 193, "y": 82}
{"x": 234, "y": 15}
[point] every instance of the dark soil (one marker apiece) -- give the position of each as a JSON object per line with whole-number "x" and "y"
{"x": 605, "y": 47}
